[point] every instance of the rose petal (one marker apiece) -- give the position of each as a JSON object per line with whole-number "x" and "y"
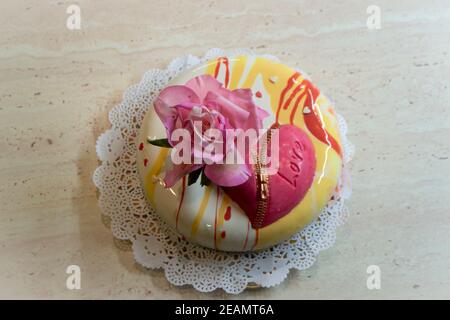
{"x": 262, "y": 113}
{"x": 203, "y": 84}
{"x": 241, "y": 97}
{"x": 169, "y": 98}
{"x": 244, "y": 98}
{"x": 238, "y": 107}
{"x": 177, "y": 94}
{"x": 227, "y": 175}
{"x": 236, "y": 115}
{"x": 219, "y": 108}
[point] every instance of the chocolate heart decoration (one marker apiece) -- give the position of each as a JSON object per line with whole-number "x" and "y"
{"x": 267, "y": 198}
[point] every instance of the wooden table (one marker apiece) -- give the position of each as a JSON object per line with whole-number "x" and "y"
{"x": 391, "y": 84}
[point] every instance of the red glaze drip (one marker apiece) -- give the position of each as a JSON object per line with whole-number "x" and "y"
{"x": 256, "y": 238}
{"x": 314, "y": 125}
{"x": 223, "y": 234}
{"x": 258, "y": 94}
{"x": 246, "y": 236}
{"x": 215, "y": 218}
{"x": 216, "y": 71}
{"x": 292, "y": 95}
{"x": 145, "y": 162}
{"x": 183, "y": 189}
{"x": 312, "y": 119}
{"x": 294, "y": 110}
{"x": 141, "y": 146}
{"x": 223, "y": 60}
{"x": 228, "y": 214}
{"x": 288, "y": 86}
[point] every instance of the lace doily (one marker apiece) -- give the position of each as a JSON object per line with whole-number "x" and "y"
{"x": 155, "y": 244}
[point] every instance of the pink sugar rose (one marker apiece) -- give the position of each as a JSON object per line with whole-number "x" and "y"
{"x": 204, "y": 100}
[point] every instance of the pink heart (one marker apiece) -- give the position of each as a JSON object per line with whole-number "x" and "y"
{"x": 287, "y": 187}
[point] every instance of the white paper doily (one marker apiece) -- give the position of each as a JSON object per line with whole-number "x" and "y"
{"x": 155, "y": 245}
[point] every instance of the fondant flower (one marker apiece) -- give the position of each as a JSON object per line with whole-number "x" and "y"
{"x": 202, "y": 104}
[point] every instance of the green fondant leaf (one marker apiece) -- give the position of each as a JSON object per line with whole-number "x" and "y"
{"x": 204, "y": 180}
{"x": 193, "y": 176}
{"x": 163, "y": 143}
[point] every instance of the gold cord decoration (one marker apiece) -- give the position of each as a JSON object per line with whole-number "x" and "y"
{"x": 262, "y": 185}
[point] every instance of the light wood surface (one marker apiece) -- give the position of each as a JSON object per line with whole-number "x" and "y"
{"x": 391, "y": 84}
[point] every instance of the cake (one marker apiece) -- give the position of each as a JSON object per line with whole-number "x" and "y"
{"x": 241, "y": 207}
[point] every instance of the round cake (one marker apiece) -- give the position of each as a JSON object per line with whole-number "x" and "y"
{"x": 248, "y": 210}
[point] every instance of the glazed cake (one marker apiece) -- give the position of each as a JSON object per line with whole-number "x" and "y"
{"x": 234, "y": 218}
